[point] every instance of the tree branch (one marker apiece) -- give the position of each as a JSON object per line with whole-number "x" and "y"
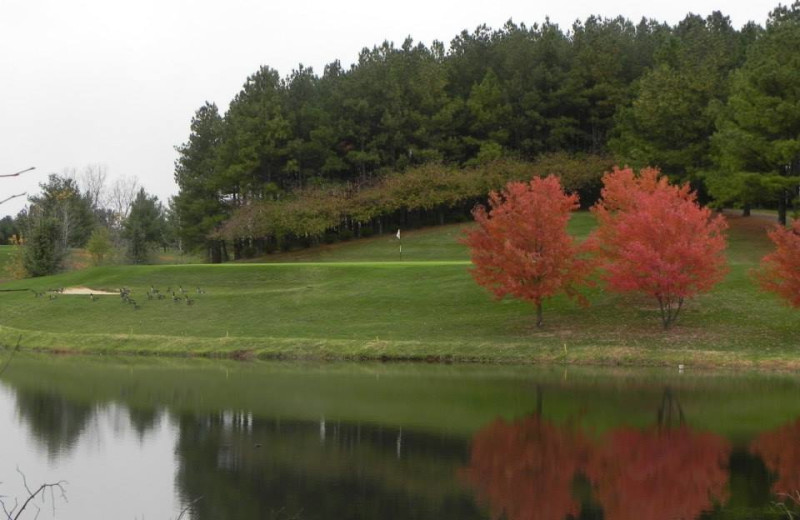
{"x": 15, "y": 513}
{"x": 13, "y": 197}
{"x": 17, "y": 174}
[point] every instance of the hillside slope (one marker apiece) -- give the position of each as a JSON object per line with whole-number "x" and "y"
{"x": 360, "y": 300}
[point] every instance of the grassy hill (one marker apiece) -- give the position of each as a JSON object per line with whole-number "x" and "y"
{"x": 361, "y": 300}
{"x": 5, "y": 256}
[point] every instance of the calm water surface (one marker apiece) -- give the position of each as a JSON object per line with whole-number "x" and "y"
{"x": 145, "y": 439}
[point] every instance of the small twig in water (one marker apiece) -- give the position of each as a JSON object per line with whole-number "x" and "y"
{"x": 189, "y": 507}
{"x": 11, "y": 356}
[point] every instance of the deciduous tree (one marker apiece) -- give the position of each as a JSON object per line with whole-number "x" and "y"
{"x": 521, "y": 247}
{"x": 99, "y": 245}
{"x": 654, "y": 238}
{"x": 780, "y": 270}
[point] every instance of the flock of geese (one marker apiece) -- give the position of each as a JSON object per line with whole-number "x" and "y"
{"x": 180, "y": 295}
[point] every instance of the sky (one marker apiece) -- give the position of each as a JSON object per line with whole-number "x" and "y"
{"x": 116, "y": 83}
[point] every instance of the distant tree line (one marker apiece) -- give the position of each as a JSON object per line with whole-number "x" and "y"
{"x": 84, "y": 210}
{"x": 312, "y": 157}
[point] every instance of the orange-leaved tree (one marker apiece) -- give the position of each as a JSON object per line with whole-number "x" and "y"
{"x": 654, "y": 238}
{"x": 780, "y": 270}
{"x": 521, "y": 247}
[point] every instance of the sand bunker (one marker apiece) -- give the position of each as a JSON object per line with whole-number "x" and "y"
{"x": 87, "y": 291}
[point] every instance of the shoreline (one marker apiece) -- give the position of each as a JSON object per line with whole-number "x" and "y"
{"x": 303, "y": 350}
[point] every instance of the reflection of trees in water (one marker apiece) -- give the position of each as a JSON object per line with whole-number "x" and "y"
{"x": 532, "y": 468}
{"x": 657, "y": 473}
{"x": 525, "y": 469}
{"x": 56, "y": 422}
{"x": 143, "y": 420}
{"x": 528, "y": 468}
{"x": 247, "y": 467}
{"x": 780, "y": 451}
{"x": 666, "y": 471}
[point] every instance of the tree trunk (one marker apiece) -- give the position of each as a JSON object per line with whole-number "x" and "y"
{"x": 214, "y": 252}
{"x": 782, "y": 208}
{"x": 538, "y": 400}
{"x": 539, "y": 314}
{"x": 746, "y": 210}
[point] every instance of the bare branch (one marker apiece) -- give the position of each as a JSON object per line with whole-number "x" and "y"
{"x": 6, "y": 512}
{"x": 93, "y": 184}
{"x": 15, "y": 513}
{"x": 13, "y": 197}
{"x": 19, "y": 172}
{"x": 122, "y": 194}
{"x": 58, "y": 485}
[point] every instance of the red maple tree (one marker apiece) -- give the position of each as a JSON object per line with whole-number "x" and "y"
{"x": 780, "y": 270}
{"x": 521, "y": 247}
{"x": 525, "y": 469}
{"x": 654, "y": 238}
{"x": 659, "y": 473}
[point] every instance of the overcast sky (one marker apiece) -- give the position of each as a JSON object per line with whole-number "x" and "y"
{"x": 116, "y": 83}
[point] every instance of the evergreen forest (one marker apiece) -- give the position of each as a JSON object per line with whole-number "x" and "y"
{"x": 416, "y": 134}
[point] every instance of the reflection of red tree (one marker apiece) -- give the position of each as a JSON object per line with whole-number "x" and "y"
{"x": 654, "y": 474}
{"x": 780, "y": 451}
{"x": 525, "y": 469}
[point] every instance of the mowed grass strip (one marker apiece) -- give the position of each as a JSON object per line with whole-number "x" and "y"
{"x": 340, "y": 304}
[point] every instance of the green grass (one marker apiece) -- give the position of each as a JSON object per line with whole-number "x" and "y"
{"x": 361, "y": 301}
{"x": 439, "y": 243}
{"x": 5, "y": 256}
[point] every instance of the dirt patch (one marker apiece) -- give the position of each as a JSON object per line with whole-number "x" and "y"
{"x": 86, "y": 291}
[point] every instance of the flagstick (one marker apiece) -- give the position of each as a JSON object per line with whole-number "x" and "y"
{"x": 401, "y": 243}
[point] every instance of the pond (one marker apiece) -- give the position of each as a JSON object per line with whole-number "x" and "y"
{"x": 156, "y": 439}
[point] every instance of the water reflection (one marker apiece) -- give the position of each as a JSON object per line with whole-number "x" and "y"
{"x": 525, "y": 468}
{"x": 657, "y": 473}
{"x": 317, "y": 446}
{"x": 245, "y": 467}
{"x": 780, "y": 451}
{"x": 55, "y": 422}
{"x": 533, "y": 468}
{"x": 662, "y": 472}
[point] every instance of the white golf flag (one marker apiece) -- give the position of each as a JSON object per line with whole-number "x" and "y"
{"x": 398, "y": 234}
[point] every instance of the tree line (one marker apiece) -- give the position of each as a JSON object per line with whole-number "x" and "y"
{"x": 310, "y": 157}
{"x": 116, "y": 221}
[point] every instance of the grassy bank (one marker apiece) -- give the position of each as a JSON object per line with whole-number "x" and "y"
{"x": 363, "y": 301}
